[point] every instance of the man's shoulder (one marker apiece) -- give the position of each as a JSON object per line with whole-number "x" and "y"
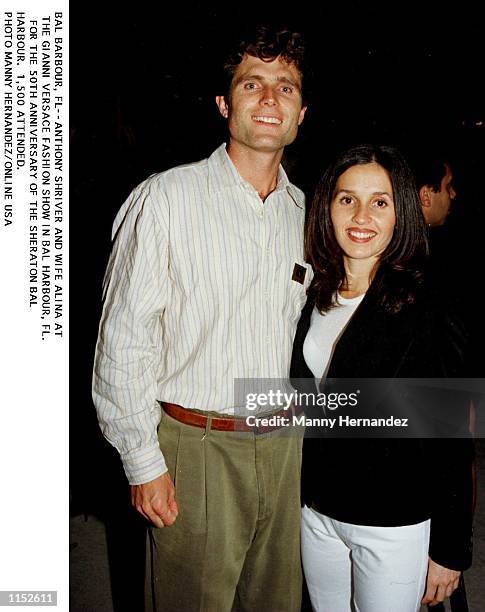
{"x": 178, "y": 176}
{"x": 155, "y": 192}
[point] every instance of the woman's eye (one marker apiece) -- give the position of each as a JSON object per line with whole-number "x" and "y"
{"x": 380, "y": 203}
{"x": 286, "y": 89}
{"x": 250, "y": 86}
{"x": 346, "y": 200}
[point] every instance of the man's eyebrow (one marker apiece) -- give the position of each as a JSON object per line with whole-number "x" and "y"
{"x": 258, "y": 77}
{"x": 283, "y": 79}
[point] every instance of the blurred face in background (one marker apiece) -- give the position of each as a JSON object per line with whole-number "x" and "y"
{"x": 437, "y": 204}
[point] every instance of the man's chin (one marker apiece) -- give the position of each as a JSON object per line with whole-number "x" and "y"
{"x": 270, "y": 145}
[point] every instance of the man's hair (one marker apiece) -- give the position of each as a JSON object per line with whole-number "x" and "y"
{"x": 404, "y": 255}
{"x": 429, "y": 168}
{"x": 267, "y": 43}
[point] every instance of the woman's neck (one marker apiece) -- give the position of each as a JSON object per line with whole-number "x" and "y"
{"x": 358, "y": 277}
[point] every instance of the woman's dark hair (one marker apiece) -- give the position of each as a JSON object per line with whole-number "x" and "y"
{"x": 404, "y": 255}
{"x": 267, "y": 43}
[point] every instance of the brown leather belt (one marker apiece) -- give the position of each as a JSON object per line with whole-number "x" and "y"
{"x": 279, "y": 419}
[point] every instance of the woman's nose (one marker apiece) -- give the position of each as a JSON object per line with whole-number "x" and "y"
{"x": 361, "y": 214}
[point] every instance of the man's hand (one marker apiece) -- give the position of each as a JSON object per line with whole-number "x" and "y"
{"x": 155, "y": 500}
{"x": 440, "y": 583}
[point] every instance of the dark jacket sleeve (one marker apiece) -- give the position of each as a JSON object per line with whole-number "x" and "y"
{"x": 450, "y": 455}
{"x": 450, "y": 479}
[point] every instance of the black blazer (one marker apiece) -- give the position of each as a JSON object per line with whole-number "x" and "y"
{"x": 391, "y": 482}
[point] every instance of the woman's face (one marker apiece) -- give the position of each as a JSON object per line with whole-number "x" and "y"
{"x": 362, "y": 212}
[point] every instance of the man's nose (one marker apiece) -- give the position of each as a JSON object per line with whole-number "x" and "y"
{"x": 268, "y": 96}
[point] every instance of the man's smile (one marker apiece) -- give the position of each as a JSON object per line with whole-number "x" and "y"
{"x": 266, "y": 119}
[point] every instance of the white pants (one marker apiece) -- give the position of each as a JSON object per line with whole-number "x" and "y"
{"x": 363, "y": 569}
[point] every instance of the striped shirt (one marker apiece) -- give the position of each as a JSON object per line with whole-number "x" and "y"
{"x": 198, "y": 292}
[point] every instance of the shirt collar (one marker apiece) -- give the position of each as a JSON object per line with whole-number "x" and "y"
{"x": 223, "y": 174}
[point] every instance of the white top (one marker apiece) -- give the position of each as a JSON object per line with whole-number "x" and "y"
{"x": 324, "y": 332}
{"x": 198, "y": 292}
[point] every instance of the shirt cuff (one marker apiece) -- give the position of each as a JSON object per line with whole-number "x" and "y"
{"x": 144, "y": 464}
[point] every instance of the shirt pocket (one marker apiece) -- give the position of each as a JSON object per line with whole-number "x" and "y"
{"x": 299, "y": 275}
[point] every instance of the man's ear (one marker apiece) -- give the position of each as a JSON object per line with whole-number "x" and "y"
{"x": 302, "y": 114}
{"x": 425, "y": 196}
{"x": 223, "y": 106}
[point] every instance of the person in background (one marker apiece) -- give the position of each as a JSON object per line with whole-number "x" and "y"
{"x": 433, "y": 173}
{"x": 386, "y": 523}
{"x": 434, "y": 180}
{"x": 434, "y": 176}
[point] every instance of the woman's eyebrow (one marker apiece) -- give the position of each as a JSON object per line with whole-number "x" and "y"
{"x": 352, "y": 192}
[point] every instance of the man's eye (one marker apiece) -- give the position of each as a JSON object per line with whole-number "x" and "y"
{"x": 250, "y": 86}
{"x": 287, "y": 89}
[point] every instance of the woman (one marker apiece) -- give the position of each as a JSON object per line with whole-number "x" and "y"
{"x": 385, "y": 521}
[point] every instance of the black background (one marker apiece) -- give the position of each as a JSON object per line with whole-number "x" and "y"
{"x": 143, "y": 82}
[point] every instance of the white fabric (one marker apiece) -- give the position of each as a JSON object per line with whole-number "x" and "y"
{"x": 363, "y": 569}
{"x": 324, "y": 332}
{"x": 198, "y": 292}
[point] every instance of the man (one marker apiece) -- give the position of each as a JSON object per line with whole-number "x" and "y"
{"x": 204, "y": 286}
{"x": 434, "y": 180}
{"x": 450, "y": 273}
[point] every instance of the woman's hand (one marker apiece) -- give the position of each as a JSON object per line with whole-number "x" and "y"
{"x": 440, "y": 583}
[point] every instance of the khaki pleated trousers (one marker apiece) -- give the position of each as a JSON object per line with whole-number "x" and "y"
{"x": 235, "y": 545}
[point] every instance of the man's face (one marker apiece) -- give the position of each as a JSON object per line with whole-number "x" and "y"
{"x": 440, "y": 201}
{"x": 264, "y": 108}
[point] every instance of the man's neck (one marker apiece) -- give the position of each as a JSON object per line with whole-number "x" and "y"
{"x": 258, "y": 168}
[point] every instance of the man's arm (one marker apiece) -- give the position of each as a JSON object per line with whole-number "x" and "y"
{"x": 129, "y": 342}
